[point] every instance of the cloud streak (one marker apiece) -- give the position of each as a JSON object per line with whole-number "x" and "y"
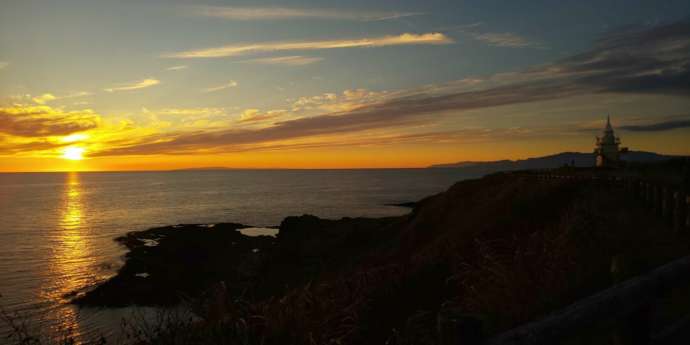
{"x": 497, "y": 39}
{"x": 286, "y": 13}
{"x": 49, "y": 97}
{"x": 434, "y": 38}
{"x": 504, "y": 39}
{"x": 10, "y": 147}
{"x": 642, "y": 60}
{"x": 227, "y": 85}
{"x": 135, "y": 85}
{"x": 294, "y": 60}
{"x": 658, "y": 126}
{"x": 254, "y": 115}
{"x": 177, "y": 68}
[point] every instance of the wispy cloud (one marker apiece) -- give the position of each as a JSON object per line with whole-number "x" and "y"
{"x": 49, "y": 97}
{"x": 135, "y": 85}
{"x": 337, "y": 103}
{"x": 277, "y": 13}
{"x": 658, "y": 126}
{"x": 193, "y": 113}
{"x": 504, "y": 39}
{"x": 77, "y": 94}
{"x": 44, "y": 98}
{"x": 177, "y": 68}
{"x": 4, "y": 64}
{"x": 227, "y": 85}
{"x": 254, "y": 115}
{"x": 435, "y": 38}
{"x": 639, "y": 60}
{"x": 294, "y": 60}
{"x": 497, "y": 39}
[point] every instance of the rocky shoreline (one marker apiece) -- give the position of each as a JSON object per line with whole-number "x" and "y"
{"x": 167, "y": 265}
{"x": 507, "y": 248}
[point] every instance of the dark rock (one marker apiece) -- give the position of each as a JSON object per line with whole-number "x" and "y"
{"x": 166, "y": 264}
{"x": 409, "y": 204}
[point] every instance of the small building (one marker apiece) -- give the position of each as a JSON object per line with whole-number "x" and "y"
{"x": 608, "y": 149}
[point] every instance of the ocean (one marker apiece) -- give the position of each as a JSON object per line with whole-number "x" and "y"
{"x": 57, "y": 229}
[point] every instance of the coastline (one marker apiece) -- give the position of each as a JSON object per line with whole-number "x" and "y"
{"x": 166, "y": 265}
{"x": 98, "y": 207}
{"x": 506, "y": 247}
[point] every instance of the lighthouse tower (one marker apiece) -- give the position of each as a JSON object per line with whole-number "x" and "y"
{"x": 608, "y": 148}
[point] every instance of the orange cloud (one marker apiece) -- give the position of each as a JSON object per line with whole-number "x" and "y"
{"x": 434, "y": 38}
{"x": 41, "y": 121}
{"x": 361, "y": 117}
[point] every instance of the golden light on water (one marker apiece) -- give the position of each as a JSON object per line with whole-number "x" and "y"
{"x": 72, "y": 252}
{"x": 72, "y": 210}
{"x": 73, "y": 153}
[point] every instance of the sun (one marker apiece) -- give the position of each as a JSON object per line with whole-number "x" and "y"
{"x": 73, "y": 153}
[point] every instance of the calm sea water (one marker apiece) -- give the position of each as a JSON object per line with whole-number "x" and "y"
{"x": 57, "y": 229}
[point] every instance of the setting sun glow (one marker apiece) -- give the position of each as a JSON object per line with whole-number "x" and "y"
{"x": 334, "y": 85}
{"x": 74, "y": 137}
{"x": 73, "y": 153}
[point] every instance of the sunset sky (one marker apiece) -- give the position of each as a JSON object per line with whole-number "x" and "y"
{"x": 144, "y": 85}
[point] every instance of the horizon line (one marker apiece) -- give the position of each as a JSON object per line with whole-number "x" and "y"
{"x": 208, "y": 169}
{"x": 434, "y": 165}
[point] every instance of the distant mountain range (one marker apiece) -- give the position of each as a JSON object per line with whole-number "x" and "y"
{"x": 558, "y": 160}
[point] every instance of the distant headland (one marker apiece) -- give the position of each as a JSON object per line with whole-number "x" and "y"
{"x": 606, "y": 154}
{"x": 577, "y": 159}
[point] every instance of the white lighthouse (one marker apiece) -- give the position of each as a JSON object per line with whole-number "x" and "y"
{"x": 608, "y": 149}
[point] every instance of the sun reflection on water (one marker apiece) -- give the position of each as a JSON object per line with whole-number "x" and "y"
{"x": 72, "y": 259}
{"x": 72, "y": 211}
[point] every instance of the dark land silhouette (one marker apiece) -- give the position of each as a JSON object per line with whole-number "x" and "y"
{"x": 499, "y": 251}
{"x": 577, "y": 159}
